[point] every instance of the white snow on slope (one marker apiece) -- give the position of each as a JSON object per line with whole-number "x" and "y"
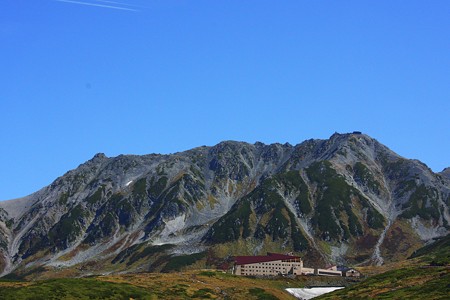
{"x": 310, "y": 293}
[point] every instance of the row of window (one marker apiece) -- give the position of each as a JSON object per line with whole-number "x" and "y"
{"x": 267, "y": 264}
{"x": 268, "y": 267}
{"x": 264, "y": 272}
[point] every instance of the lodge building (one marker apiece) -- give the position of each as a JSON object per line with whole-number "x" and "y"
{"x": 270, "y": 265}
{"x": 274, "y": 264}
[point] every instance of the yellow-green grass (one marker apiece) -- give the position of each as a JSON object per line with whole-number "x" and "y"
{"x": 206, "y": 284}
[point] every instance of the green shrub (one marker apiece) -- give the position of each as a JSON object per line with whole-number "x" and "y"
{"x": 228, "y": 227}
{"x": 203, "y": 293}
{"x": 74, "y": 289}
{"x": 261, "y": 294}
{"x": 333, "y": 197}
{"x": 96, "y": 197}
{"x": 157, "y": 186}
{"x": 363, "y": 175}
{"x": 422, "y": 202}
{"x": 139, "y": 188}
{"x": 177, "y": 262}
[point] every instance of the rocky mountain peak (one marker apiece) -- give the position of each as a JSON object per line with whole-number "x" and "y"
{"x": 446, "y": 172}
{"x": 343, "y": 199}
{"x": 99, "y": 156}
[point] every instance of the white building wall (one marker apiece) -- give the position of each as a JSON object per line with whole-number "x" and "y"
{"x": 271, "y": 268}
{"x": 277, "y": 267}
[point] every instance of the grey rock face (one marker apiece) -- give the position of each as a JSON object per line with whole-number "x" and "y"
{"x": 445, "y": 173}
{"x": 346, "y": 192}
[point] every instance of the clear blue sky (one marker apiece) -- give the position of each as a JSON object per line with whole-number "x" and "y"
{"x": 143, "y": 76}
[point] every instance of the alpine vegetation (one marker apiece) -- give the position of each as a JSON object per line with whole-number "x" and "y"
{"x": 347, "y": 199}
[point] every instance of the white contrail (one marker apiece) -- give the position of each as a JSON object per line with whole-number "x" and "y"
{"x": 98, "y": 5}
{"x": 115, "y": 2}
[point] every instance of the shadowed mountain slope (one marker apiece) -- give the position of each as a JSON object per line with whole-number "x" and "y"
{"x": 347, "y": 199}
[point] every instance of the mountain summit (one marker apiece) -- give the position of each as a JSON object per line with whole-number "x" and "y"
{"x": 346, "y": 199}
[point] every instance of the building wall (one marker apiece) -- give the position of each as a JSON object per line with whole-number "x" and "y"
{"x": 277, "y": 267}
{"x": 352, "y": 273}
{"x": 270, "y": 268}
{"x": 295, "y": 267}
{"x": 307, "y": 271}
{"x": 327, "y": 272}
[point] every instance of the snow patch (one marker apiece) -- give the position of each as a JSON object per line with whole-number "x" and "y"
{"x": 305, "y": 294}
{"x": 128, "y": 183}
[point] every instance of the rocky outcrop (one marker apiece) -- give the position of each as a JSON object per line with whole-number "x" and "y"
{"x": 344, "y": 199}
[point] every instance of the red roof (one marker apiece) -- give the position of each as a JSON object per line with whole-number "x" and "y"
{"x": 244, "y": 260}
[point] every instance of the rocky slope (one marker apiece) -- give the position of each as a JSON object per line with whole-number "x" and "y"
{"x": 347, "y": 199}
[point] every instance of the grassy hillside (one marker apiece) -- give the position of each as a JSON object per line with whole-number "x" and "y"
{"x": 71, "y": 289}
{"x": 181, "y": 285}
{"x": 407, "y": 283}
{"x": 426, "y": 275}
{"x": 436, "y": 254}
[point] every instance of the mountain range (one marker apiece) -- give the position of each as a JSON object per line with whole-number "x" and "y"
{"x": 343, "y": 200}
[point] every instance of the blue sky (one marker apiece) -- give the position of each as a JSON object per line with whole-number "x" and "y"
{"x": 138, "y": 77}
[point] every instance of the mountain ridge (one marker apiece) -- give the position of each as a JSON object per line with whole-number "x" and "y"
{"x": 342, "y": 199}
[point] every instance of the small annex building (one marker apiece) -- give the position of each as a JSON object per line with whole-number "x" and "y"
{"x": 349, "y": 272}
{"x": 271, "y": 264}
{"x": 330, "y": 271}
